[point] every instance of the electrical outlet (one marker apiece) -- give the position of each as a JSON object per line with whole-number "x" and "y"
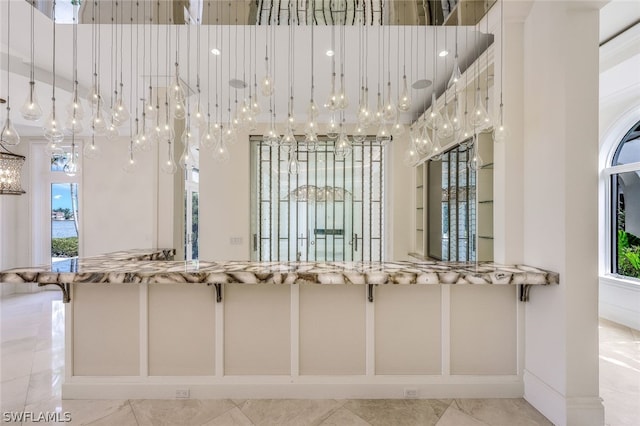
{"x": 410, "y": 393}
{"x": 182, "y": 393}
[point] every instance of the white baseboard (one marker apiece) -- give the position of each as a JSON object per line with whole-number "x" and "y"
{"x": 619, "y": 315}
{"x": 619, "y": 301}
{"x": 559, "y": 409}
{"x": 269, "y": 387}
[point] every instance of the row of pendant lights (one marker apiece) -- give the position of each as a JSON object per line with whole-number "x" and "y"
{"x": 154, "y": 125}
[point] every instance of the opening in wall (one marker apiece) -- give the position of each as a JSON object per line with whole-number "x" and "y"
{"x": 56, "y": 201}
{"x": 331, "y": 210}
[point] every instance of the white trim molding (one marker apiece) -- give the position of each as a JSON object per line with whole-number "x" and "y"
{"x": 293, "y": 387}
{"x": 619, "y": 300}
{"x": 560, "y": 409}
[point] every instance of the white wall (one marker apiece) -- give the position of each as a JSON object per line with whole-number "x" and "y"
{"x": 560, "y": 205}
{"x": 14, "y": 220}
{"x": 224, "y": 203}
{"x": 619, "y": 110}
{"x": 118, "y": 208}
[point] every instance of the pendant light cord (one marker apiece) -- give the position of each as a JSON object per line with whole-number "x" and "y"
{"x": 312, "y": 62}
{"x": 208, "y": 63}
{"x": 53, "y": 67}
{"x": 32, "y": 73}
{"x": 9, "y": 53}
{"x": 501, "y": 54}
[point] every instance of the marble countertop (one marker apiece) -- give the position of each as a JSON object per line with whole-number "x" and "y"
{"x": 151, "y": 266}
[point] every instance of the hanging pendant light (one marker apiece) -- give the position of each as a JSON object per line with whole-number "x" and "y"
{"x": 479, "y": 115}
{"x": 311, "y": 142}
{"x": 311, "y": 126}
{"x": 137, "y": 139}
{"x": 383, "y": 136}
{"x": 390, "y": 112}
{"x": 445, "y": 130}
{"x": 131, "y": 165}
{"x": 91, "y": 150}
{"x": 221, "y": 152}
{"x": 456, "y": 75}
{"x": 475, "y": 161}
{"x": 10, "y": 163}
{"x": 333, "y": 128}
{"x": 404, "y": 98}
{"x": 9, "y": 136}
{"x": 397, "y": 128}
{"x": 436, "y": 148}
{"x": 411, "y": 155}
{"x": 359, "y": 133}
{"x": 271, "y": 136}
{"x": 455, "y": 117}
{"x": 332, "y": 104}
{"x": 291, "y": 121}
{"x": 207, "y": 139}
{"x": 75, "y": 112}
{"x": 72, "y": 167}
{"x": 500, "y": 131}
{"x": 220, "y": 149}
{"x": 293, "y": 166}
{"x": 185, "y": 157}
{"x": 120, "y": 112}
{"x": 424, "y": 145}
{"x": 404, "y": 101}
{"x": 177, "y": 91}
{"x": 149, "y": 108}
{"x": 31, "y": 109}
{"x": 364, "y": 115}
{"x": 266, "y": 85}
{"x": 379, "y": 114}
{"x": 52, "y": 129}
{"x": 434, "y": 118}
{"x": 169, "y": 165}
{"x": 342, "y": 100}
{"x": 488, "y": 122}
{"x": 288, "y": 140}
{"x": 342, "y": 147}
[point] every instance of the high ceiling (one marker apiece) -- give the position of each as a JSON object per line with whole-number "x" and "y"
{"x": 147, "y": 54}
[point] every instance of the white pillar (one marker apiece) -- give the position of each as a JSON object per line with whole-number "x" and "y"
{"x": 560, "y": 209}
{"x": 508, "y": 155}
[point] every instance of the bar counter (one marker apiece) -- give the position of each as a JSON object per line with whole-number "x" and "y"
{"x": 154, "y": 267}
{"x": 140, "y": 325}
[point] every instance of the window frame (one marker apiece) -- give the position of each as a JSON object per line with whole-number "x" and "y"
{"x": 614, "y": 140}
{"x": 42, "y": 178}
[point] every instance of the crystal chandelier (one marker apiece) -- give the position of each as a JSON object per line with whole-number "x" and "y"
{"x": 10, "y": 172}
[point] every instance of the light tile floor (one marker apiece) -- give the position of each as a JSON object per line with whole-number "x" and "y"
{"x": 32, "y": 368}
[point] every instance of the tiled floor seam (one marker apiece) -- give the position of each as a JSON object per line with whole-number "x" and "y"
{"x": 351, "y": 411}
{"x": 223, "y": 413}
{"x": 133, "y": 412}
{"x": 329, "y": 413}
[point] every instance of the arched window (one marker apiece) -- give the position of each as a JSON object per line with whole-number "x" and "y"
{"x": 624, "y": 172}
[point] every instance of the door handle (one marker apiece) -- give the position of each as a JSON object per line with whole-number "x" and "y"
{"x": 355, "y": 242}
{"x": 255, "y": 242}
